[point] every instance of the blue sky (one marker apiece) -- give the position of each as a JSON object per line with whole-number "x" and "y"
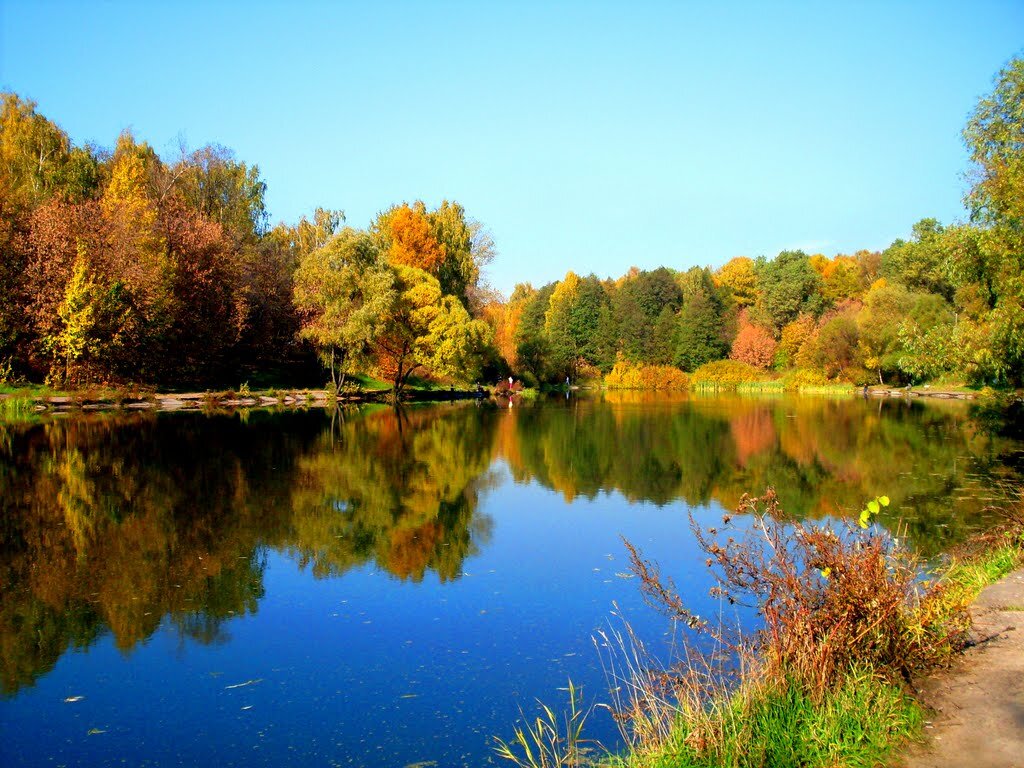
{"x": 587, "y": 136}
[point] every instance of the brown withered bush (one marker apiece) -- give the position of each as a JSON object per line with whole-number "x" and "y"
{"x": 831, "y": 598}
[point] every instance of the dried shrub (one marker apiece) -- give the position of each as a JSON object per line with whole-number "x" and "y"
{"x": 831, "y": 598}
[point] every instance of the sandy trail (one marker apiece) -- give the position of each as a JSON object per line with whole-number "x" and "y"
{"x": 979, "y": 703}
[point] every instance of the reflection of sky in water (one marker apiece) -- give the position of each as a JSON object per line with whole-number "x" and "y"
{"x": 368, "y": 669}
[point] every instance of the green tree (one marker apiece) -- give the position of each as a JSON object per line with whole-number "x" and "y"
{"x": 637, "y": 304}
{"x": 878, "y": 323}
{"x": 994, "y": 136}
{"x": 921, "y": 264}
{"x": 533, "y": 350}
{"x": 789, "y": 286}
{"x": 572, "y": 323}
{"x": 224, "y": 190}
{"x": 700, "y": 333}
{"x": 345, "y": 291}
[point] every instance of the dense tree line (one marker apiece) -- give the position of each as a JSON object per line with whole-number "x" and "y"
{"x": 947, "y": 303}
{"x": 118, "y": 265}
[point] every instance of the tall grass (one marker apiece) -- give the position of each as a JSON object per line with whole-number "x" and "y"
{"x": 17, "y": 409}
{"x": 548, "y": 741}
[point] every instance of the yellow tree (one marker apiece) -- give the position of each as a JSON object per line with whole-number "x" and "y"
{"x": 138, "y": 256}
{"x": 77, "y": 318}
{"x": 737, "y": 275}
{"x": 424, "y": 330}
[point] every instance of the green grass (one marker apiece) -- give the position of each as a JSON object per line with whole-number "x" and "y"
{"x": 856, "y": 724}
{"x": 29, "y": 390}
{"x": 775, "y": 386}
{"x": 827, "y": 389}
{"x": 972, "y": 575}
{"x": 17, "y": 409}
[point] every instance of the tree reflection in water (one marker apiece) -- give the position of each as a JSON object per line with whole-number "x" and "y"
{"x": 118, "y": 522}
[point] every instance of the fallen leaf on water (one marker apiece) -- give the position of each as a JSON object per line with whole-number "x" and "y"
{"x": 242, "y": 685}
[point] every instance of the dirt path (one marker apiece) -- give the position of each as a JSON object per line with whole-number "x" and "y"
{"x": 979, "y": 704}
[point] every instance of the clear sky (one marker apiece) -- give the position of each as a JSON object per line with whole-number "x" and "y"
{"x": 588, "y": 136}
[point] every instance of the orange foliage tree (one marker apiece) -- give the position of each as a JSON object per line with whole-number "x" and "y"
{"x": 753, "y": 345}
{"x": 409, "y": 241}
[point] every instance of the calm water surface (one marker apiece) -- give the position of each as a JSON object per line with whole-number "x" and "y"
{"x": 383, "y": 589}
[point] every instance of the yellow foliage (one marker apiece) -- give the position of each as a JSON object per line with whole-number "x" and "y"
{"x": 632, "y": 376}
{"x": 725, "y": 374}
{"x": 739, "y": 277}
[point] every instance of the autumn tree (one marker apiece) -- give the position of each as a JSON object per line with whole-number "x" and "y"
{"x": 841, "y": 279}
{"x": 793, "y": 337}
{"x": 753, "y": 345}
{"x": 424, "y": 330}
{"x": 223, "y": 190}
{"x": 77, "y": 318}
{"x": 406, "y": 238}
{"x": 36, "y": 158}
{"x": 738, "y": 276}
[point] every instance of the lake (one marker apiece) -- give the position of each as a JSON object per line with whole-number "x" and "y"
{"x": 380, "y": 588}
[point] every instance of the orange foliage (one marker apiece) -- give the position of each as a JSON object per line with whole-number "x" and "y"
{"x": 504, "y": 319}
{"x": 411, "y": 550}
{"x": 754, "y": 346}
{"x": 412, "y": 242}
{"x": 753, "y": 432}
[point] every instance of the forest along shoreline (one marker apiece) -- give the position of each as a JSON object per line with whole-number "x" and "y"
{"x": 92, "y": 400}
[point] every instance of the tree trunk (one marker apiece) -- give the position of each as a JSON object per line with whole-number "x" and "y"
{"x": 334, "y": 379}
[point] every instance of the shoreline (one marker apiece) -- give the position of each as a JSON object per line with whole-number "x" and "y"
{"x": 135, "y": 400}
{"x": 86, "y": 400}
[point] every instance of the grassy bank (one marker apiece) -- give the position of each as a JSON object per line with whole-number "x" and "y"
{"x": 848, "y": 622}
{"x": 734, "y": 376}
